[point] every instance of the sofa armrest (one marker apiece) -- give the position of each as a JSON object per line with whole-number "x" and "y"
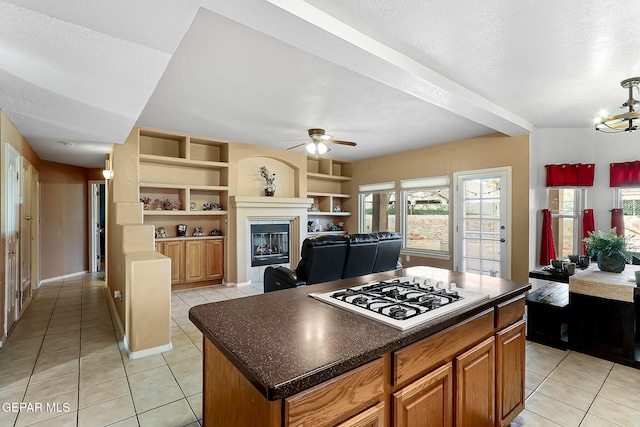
{"x": 276, "y": 278}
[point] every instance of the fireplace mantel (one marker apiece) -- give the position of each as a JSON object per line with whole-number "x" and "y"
{"x": 244, "y": 210}
{"x": 266, "y": 202}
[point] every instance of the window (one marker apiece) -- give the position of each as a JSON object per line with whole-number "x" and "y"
{"x": 629, "y": 200}
{"x": 426, "y": 215}
{"x": 566, "y": 206}
{"x": 377, "y": 207}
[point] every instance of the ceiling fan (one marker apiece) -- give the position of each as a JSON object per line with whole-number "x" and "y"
{"x": 318, "y": 142}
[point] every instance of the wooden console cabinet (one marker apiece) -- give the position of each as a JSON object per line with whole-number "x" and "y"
{"x": 194, "y": 260}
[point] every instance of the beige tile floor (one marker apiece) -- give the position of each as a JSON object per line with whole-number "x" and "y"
{"x": 64, "y": 353}
{"x": 64, "y": 356}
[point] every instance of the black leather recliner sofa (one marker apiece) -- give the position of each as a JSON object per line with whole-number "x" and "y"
{"x": 327, "y": 258}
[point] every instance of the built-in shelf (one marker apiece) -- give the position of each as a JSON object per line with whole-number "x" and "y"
{"x": 325, "y": 177}
{"x": 336, "y": 195}
{"x": 177, "y": 161}
{"x": 326, "y": 233}
{"x": 182, "y": 212}
{"x": 329, "y": 213}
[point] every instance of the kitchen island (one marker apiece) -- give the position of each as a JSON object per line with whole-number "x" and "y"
{"x": 284, "y": 359}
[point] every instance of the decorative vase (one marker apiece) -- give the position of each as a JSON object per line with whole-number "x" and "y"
{"x": 613, "y": 263}
{"x": 270, "y": 190}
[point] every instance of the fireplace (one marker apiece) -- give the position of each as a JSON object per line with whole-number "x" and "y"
{"x": 269, "y": 244}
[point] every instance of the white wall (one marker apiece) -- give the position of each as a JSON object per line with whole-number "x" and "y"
{"x": 583, "y": 145}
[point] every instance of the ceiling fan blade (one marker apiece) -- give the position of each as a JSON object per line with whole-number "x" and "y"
{"x": 336, "y": 141}
{"x": 296, "y": 146}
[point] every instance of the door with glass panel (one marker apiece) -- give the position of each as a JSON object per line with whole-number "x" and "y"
{"x": 482, "y": 226}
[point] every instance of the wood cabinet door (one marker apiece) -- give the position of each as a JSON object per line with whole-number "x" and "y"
{"x": 195, "y": 252}
{"x": 510, "y": 372}
{"x": 175, "y": 251}
{"x": 372, "y": 417}
{"x": 215, "y": 259}
{"x": 475, "y": 386}
{"x": 160, "y": 247}
{"x": 426, "y": 402}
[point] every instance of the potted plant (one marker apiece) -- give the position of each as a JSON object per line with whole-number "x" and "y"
{"x": 269, "y": 181}
{"x": 610, "y": 249}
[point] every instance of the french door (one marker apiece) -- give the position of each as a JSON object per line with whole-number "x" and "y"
{"x": 12, "y": 270}
{"x": 483, "y": 222}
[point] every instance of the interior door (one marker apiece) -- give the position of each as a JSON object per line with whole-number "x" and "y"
{"x": 25, "y": 235}
{"x": 12, "y": 246}
{"x": 483, "y": 223}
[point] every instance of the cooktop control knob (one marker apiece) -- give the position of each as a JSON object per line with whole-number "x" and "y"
{"x": 453, "y": 287}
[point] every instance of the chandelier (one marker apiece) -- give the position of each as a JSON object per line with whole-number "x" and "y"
{"x": 626, "y": 117}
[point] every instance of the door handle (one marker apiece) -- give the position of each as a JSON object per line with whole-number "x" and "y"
{"x": 12, "y": 252}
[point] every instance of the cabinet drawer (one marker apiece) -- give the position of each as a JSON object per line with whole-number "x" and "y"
{"x": 372, "y": 417}
{"x": 419, "y": 358}
{"x": 509, "y": 312}
{"x": 334, "y": 400}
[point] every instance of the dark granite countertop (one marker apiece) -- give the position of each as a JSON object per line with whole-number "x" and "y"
{"x": 285, "y": 342}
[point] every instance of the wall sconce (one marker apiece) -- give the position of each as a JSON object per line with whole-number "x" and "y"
{"x": 107, "y": 173}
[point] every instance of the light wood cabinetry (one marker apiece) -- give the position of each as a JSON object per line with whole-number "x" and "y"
{"x": 331, "y": 402}
{"x": 470, "y": 374}
{"x": 194, "y": 259}
{"x": 427, "y": 402}
{"x": 372, "y": 417}
{"x": 326, "y": 185}
{"x": 475, "y": 385}
{"x": 191, "y": 175}
{"x": 175, "y": 251}
{"x": 195, "y": 251}
{"x": 510, "y": 375}
{"x": 215, "y": 259}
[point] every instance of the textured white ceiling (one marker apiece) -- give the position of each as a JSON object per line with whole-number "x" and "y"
{"x": 390, "y": 75}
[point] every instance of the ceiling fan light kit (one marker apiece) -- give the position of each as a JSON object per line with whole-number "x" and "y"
{"x": 626, "y": 117}
{"x": 318, "y": 142}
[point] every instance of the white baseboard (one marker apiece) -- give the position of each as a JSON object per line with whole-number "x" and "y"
{"x": 237, "y": 285}
{"x": 149, "y": 351}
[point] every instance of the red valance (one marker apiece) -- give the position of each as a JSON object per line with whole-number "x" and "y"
{"x": 570, "y": 175}
{"x": 625, "y": 174}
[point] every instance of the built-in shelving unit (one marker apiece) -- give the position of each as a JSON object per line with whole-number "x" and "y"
{"x": 325, "y": 185}
{"x": 189, "y": 172}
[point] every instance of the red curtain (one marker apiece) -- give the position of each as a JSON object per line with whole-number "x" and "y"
{"x": 617, "y": 221}
{"x": 625, "y": 174}
{"x": 547, "y": 251}
{"x": 588, "y": 225}
{"x": 570, "y": 175}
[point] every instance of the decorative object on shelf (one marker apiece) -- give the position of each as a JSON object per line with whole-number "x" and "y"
{"x": 311, "y": 226}
{"x": 611, "y": 250}
{"x": 269, "y": 181}
{"x": 211, "y": 207}
{"x": 335, "y": 227}
{"x": 625, "y": 117}
{"x": 145, "y": 201}
{"x": 166, "y": 205}
{"x": 313, "y": 208}
{"x": 215, "y": 232}
{"x": 198, "y": 232}
{"x": 161, "y": 233}
{"x": 337, "y": 209}
{"x": 192, "y": 206}
{"x": 317, "y": 227}
{"x": 182, "y": 230}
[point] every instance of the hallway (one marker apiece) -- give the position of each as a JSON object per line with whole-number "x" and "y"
{"x": 64, "y": 358}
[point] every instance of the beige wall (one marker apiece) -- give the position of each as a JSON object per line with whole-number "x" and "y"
{"x": 63, "y": 223}
{"x": 495, "y": 150}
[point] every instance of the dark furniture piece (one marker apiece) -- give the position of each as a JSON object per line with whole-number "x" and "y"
{"x": 548, "y": 315}
{"x": 328, "y": 258}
